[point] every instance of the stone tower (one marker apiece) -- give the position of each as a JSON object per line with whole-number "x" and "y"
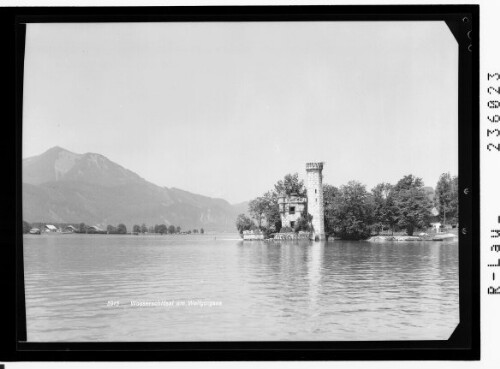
{"x": 315, "y": 199}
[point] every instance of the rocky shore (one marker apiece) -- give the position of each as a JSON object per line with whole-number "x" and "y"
{"x": 291, "y": 236}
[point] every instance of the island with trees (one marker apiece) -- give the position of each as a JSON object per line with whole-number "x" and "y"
{"x": 386, "y": 212}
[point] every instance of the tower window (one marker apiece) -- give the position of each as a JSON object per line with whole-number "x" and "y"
{"x": 292, "y": 224}
{"x": 292, "y": 210}
{"x": 315, "y": 191}
{"x": 316, "y": 199}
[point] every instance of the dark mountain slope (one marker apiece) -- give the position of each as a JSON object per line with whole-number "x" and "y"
{"x": 61, "y": 186}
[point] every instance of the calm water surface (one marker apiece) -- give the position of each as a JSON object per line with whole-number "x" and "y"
{"x": 291, "y": 291}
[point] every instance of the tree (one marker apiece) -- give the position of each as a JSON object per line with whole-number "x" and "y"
{"x": 257, "y": 209}
{"x": 26, "y": 227}
{"x": 144, "y": 228}
{"x": 413, "y": 207}
{"x": 162, "y": 228}
{"x": 265, "y": 209}
{"x": 350, "y": 213}
{"x": 202, "y": 231}
{"x": 121, "y": 229}
{"x": 136, "y": 228}
{"x": 303, "y": 223}
{"x": 244, "y": 223}
{"x": 330, "y": 198}
{"x": 178, "y": 229}
{"x": 384, "y": 211}
{"x": 171, "y": 229}
{"x": 271, "y": 212}
{"x": 446, "y": 198}
{"x": 111, "y": 229}
{"x": 82, "y": 228}
{"x": 195, "y": 231}
{"x": 290, "y": 185}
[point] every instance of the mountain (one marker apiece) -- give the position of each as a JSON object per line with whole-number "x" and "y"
{"x": 60, "y": 186}
{"x": 58, "y": 164}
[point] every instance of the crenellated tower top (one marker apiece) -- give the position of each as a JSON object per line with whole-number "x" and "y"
{"x": 314, "y": 166}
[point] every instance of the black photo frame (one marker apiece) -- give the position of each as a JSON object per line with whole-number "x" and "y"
{"x": 464, "y": 344}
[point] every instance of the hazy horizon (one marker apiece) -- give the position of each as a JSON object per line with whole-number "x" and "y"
{"x": 227, "y": 109}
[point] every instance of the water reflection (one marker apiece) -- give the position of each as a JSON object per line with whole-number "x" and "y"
{"x": 269, "y": 291}
{"x": 315, "y": 265}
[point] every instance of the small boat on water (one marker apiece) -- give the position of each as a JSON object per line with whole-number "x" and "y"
{"x": 35, "y": 231}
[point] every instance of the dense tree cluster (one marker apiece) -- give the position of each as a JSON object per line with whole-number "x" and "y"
{"x": 349, "y": 212}
{"x": 303, "y": 223}
{"x": 157, "y": 228}
{"x": 290, "y": 185}
{"x": 111, "y": 229}
{"x": 163, "y": 229}
{"x": 120, "y": 229}
{"x": 244, "y": 223}
{"x": 264, "y": 210}
{"x": 384, "y": 211}
{"x": 412, "y": 205}
{"x": 353, "y": 212}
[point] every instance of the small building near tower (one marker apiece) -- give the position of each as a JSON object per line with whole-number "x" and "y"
{"x": 291, "y": 208}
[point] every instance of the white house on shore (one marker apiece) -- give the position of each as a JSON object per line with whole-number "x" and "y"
{"x": 70, "y": 228}
{"x": 94, "y": 228}
{"x": 50, "y": 228}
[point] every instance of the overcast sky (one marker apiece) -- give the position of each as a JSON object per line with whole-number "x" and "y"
{"x": 227, "y": 109}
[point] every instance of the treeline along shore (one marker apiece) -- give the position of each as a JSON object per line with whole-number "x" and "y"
{"x": 352, "y": 212}
{"x": 82, "y": 228}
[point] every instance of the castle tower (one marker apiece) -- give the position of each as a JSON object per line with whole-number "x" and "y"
{"x": 315, "y": 199}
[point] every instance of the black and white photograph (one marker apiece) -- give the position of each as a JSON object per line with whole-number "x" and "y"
{"x": 240, "y": 181}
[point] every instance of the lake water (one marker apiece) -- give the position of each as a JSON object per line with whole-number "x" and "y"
{"x": 219, "y": 288}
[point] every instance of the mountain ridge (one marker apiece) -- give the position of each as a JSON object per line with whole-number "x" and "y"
{"x": 62, "y": 186}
